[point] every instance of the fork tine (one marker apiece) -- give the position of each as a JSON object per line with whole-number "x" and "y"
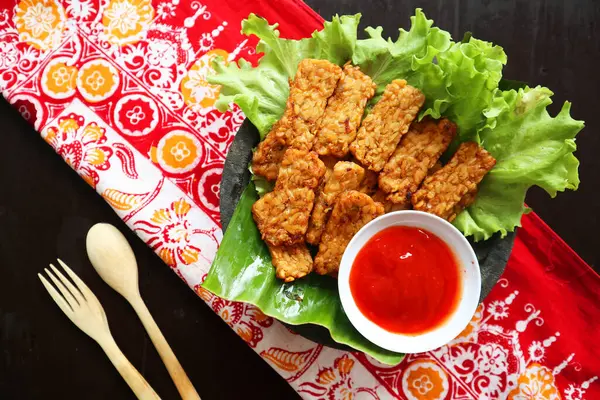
{"x": 58, "y": 299}
{"x": 85, "y": 291}
{"x": 74, "y": 291}
{"x": 65, "y": 292}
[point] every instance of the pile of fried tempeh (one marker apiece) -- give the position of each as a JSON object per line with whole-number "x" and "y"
{"x": 335, "y": 171}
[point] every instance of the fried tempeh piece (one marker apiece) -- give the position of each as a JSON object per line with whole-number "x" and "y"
{"x": 449, "y": 190}
{"x": 291, "y": 262}
{"x": 466, "y": 201}
{"x": 300, "y": 169}
{"x": 282, "y": 215}
{"x": 346, "y": 175}
{"x": 383, "y": 128}
{"x": 320, "y": 214}
{"x": 338, "y": 125}
{"x": 313, "y": 84}
{"x": 269, "y": 153}
{"x": 416, "y": 154}
{"x": 381, "y": 197}
{"x": 351, "y": 212}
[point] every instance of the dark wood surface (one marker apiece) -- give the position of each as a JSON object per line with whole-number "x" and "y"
{"x": 45, "y": 211}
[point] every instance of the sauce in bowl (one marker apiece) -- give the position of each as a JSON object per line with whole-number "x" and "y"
{"x": 406, "y": 280}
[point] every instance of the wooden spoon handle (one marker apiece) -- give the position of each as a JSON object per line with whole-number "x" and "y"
{"x": 180, "y": 378}
{"x": 136, "y": 382}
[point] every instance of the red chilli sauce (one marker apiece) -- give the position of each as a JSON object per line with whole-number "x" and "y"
{"x": 406, "y": 280}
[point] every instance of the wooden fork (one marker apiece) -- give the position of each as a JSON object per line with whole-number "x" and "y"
{"x": 85, "y": 311}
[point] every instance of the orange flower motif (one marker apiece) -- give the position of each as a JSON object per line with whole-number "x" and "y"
{"x": 83, "y": 148}
{"x": 245, "y": 319}
{"x": 204, "y": 294}
{"x": 424, "y": 380}
{"x": 171, "y": 234}
{"x": 179, "y": 152}
{"x": 537, "y": 382}
{"x": 40, "y": 23}
{"x": 337, "y": 379}
{"x": 59, "y": 80}
{"x": 125, "y": 20}
{"x": 97, "y": 80}
{"x": 335, "y": 383}
{"x": 195, "y": 89}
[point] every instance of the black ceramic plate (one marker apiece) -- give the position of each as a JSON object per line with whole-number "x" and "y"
{"x": 492, "y": 254}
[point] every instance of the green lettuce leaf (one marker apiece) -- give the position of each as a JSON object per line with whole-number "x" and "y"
{"x": 473, "y": 72}
{"x": 242, "y": 271}
{"x": 531, "y": 148}
{"x": 462, "y": 84}
{"x": 261, "y": 92}
{"x": 384, "y": 60}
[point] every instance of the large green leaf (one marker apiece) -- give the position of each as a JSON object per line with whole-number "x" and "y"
{"x": 384, "y": 60}
{"x": 531, "y": 148}
{"x": 242, "y": 271}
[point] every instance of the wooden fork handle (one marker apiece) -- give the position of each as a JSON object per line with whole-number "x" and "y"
{"x": 182, "y": 382}
{"x": 136, "y": 382}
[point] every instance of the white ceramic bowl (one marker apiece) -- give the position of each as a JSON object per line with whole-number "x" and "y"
{"x": 469, "y": 298}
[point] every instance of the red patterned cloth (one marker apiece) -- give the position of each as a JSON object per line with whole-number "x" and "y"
{"x": 118, "y": 88}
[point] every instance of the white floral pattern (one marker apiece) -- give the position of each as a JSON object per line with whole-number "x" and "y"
{"x": 40, "y": 23}
{"x": 161, "y": 53}
{"x": 165, "y": 10}
{"x": 123, "y": 16}
{"x": 135, "y": 115}
{"x": 423, "y": 385}
{"x": 9, "y": 55}
{"x": 180, "y": 151}
{"x": 198, "y": 87}
{"x": 498, "y": 309}
{"x": 536, "y": 351}
{"x": 39, "y": 19}
{"x": 61, "y": 76}
{"x": 95, "y": 80}
{"x": 125, "y": 21}
{"x": 492, "y": 359}
{"x": 80, "y": 9}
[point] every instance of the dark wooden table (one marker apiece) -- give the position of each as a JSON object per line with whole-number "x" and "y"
{"x": 46, "y": 210}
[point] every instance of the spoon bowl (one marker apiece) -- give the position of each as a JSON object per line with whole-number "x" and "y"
{"x": 113, "y": 259}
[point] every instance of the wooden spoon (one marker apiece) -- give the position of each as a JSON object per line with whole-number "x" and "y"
{"x": 113, "y": 259}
